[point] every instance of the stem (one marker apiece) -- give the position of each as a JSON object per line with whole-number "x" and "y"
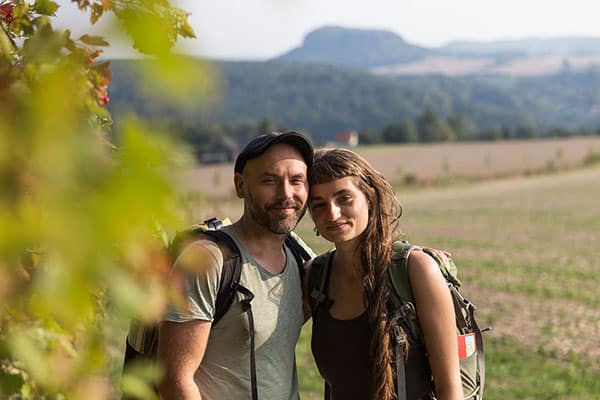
{"x": 12, "y": 41}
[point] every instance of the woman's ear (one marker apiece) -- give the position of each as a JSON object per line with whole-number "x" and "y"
{"x": 238, "y": 182}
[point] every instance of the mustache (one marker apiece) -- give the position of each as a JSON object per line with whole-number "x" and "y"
{"x": 285, "y": 204}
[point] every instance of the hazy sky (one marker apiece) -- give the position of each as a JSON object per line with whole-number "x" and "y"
{"x": 247, "y": 29}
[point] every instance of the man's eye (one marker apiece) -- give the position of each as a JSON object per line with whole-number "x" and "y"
{"x": 298, "y": 181}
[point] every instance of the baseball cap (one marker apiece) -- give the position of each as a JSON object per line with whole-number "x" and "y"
{"x": 261, "y": 143}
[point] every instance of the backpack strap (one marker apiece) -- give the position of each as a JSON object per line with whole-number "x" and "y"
{"x": 318, "y": 287}
{"x": 404, "y": 303}
{"x": 318, "y": 279}
{"x": 229, "y": 285}
{"x": 300, "y": 251}
{"x": 230, "y": 274}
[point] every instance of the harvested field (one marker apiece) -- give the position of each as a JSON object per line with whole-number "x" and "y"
{"x": 440, "y": 162}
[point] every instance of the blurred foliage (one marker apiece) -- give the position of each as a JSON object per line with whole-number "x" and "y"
{"x": 82, "y": 220}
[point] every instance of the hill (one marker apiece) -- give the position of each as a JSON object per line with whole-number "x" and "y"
{"x": 387, "y": 53}
{"x": 359, "y": 48}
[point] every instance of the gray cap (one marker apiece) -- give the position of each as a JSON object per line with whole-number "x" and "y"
{"x": 261, "y": 143}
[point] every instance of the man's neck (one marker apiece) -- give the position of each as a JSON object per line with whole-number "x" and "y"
{"x": 263, "y": 245}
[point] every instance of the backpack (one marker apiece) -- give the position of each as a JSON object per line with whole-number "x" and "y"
{"x": 142, "y": 340}
{"x": 469, "y": 335}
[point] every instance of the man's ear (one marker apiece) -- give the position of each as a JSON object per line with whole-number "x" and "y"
{"x": 238, "y": 181}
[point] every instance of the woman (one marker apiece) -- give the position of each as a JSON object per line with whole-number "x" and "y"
{"x": 353, "y": 206}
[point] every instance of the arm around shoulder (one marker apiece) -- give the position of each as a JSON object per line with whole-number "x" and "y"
{"x": 436, "y": 316}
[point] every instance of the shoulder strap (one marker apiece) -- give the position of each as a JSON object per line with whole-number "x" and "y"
{"x": 229, "y": 284}
{"x": 230, "y": 274}
{"x": 398, "y": 271}
{"x": 300, "y": 252}
{"x": 317, "y": 280}
{"x": 403, "y": 300}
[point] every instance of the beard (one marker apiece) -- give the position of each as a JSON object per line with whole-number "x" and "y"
{"x": 278, "y": 224}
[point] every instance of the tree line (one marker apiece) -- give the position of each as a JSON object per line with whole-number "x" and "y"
{"x": 428, "y": 127}
{"x": 323, "y": 99}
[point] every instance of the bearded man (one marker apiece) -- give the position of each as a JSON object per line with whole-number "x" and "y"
{"x": 202, "y": 361}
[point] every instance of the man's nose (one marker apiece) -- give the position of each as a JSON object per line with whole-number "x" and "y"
{"x": 287, "y": 190}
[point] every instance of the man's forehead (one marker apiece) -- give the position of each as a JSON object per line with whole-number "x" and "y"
{"x": 277, "y": 154}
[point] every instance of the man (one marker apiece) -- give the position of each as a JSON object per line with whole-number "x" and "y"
{"x": 205, "y": 362}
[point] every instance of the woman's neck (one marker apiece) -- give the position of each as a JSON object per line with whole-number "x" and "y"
{"x": 347, "y": 260}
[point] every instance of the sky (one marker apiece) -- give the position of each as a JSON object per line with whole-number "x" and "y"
{"x": 262, "y": 29}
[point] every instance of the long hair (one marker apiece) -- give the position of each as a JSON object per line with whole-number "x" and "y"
{"x": 375, "y": 251}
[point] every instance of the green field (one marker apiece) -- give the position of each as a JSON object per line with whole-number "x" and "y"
{"x": 528, "y": 250}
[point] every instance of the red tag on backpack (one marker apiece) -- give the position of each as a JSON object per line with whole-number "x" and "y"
{"x": 466, "y": 345}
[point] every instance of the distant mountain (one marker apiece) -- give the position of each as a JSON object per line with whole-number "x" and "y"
{"x": 386, "y": 53}
{"x": 561, "y": 46}
{"x": 354, "y": 48}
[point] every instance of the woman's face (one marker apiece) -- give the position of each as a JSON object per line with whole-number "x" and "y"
{"x": 339, "y": 209}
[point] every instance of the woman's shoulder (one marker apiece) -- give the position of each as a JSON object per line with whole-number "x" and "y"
{"x": 421, "y": 264}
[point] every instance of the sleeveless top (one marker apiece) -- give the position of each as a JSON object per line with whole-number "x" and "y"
{"x": 341, "y": 349}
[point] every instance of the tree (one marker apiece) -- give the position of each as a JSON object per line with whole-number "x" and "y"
{"x": 404, "y": 132}
{"x": 461, "y": 126}
{"x": 432, "y": 128}
{"x": 80, "y": 248}
{"x": 526, "y": 132}
{"x": 371, "y": 136}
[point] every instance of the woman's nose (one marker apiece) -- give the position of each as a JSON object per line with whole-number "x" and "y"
{"x": 333, "y": 212}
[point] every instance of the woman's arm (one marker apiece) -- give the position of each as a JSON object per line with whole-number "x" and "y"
{"x": 436, "y": 315}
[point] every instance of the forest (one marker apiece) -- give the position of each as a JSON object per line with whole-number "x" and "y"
{"x": 322, "y": 100}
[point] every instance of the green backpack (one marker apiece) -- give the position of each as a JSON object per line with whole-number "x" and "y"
{"x": 469, "y": 335}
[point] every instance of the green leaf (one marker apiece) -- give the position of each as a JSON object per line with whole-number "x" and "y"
{"x": 94, "y": 40}
{"x": 186, "y": 30}
{"x": 45, "y": 7}
{"x": 97, "y": 11}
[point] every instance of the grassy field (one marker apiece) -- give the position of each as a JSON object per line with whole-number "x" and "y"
{"x": 528, "y": 250}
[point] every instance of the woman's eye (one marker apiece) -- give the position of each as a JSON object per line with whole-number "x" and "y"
{"x": 346, "y": 199}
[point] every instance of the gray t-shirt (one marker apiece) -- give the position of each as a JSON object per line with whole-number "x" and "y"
{"x": 277, "y": 306}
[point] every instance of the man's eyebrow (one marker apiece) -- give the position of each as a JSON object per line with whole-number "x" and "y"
{"x": 278, "y": 176}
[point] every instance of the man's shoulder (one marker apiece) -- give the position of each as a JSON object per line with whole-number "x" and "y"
{"x": 201, "y": 254}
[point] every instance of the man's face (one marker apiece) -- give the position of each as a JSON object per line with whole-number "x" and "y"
{"x": 274, "y": 188}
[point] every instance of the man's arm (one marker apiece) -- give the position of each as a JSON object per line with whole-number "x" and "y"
{"x": 183, "y": 337}
{"x": 181, "y": 347}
